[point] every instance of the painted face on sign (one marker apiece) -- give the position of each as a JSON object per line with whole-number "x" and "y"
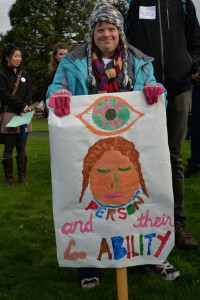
{"x": 114, "y": 179}
{"x": 112, "y": 169}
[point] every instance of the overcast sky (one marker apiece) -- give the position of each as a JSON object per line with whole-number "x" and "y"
{"x": 4, "y": 19}
{"x": 6, "y": 4}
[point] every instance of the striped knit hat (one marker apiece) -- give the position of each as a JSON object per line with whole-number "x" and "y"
{"x": 111, "y": 11}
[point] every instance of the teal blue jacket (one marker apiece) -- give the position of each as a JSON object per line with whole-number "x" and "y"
{"x": 72, "y": 73}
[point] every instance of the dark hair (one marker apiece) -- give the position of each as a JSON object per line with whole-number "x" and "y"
{"x": 8, "y": 52}
{"x": 59, "y": 45}
{"x": 53, "y": 60}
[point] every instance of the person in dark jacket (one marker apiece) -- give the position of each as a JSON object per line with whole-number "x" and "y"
{"x": 14, "y": 104}
{"x": 193, "y": 165}
{"x": 163, "y": 29}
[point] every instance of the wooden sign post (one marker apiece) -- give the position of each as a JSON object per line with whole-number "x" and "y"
{"x": 122, "y": 285}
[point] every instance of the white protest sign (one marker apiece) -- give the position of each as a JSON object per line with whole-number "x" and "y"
{"x": 111, "y": 180}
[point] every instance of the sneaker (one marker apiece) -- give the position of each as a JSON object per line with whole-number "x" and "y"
{"x": 89, "y": 283}
{"x": 166, "y": 270}
{"x": 183, "y": 239}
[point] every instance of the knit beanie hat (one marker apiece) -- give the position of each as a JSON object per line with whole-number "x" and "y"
{"x": 114, "y": 12}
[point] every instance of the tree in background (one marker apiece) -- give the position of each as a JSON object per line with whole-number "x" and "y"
{"x": 38, "y": 24}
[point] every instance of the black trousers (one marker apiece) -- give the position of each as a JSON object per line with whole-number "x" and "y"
{"x": 12, "y": 141}
{"x": 194, "y": 161}
{"x": 177, "y": 115}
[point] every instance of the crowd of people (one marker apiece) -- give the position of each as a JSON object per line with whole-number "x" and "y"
{"x": 112, "y": 63}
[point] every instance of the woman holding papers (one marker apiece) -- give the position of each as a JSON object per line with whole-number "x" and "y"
{"x": 16, "y": 96}
{"x": 106, "y": 63}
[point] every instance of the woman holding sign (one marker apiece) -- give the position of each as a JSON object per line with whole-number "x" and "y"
{"x": 104, "y": 64}
{"x": 15, "y": 95}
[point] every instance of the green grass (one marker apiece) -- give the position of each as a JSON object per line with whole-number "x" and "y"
{"x": 28, "y": 263}
{"x": 39, "y": 124}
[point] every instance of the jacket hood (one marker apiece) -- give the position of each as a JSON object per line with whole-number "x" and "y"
{"x": 81, "y": 51}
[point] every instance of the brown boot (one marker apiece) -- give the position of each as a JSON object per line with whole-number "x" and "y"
{"x": 21, "y": 168}
{"x": 8, "y": 170}
{"x": 183, "y": 239}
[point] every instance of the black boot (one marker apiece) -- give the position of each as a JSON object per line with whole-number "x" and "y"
{"x": 21, "y": 168}
{"x": 183, "y": 239}
{"x": 8, "y": 170}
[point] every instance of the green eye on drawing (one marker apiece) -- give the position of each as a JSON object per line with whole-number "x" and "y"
{"x": 109, "y": 115}
{"x": 120, "y": 169}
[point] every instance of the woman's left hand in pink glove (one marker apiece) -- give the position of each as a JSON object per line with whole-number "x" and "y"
{"x": 60, "y": 101}
{"x": 151, "y": 93}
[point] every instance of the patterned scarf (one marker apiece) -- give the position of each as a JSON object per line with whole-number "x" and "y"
{"x": 107, "y": 79}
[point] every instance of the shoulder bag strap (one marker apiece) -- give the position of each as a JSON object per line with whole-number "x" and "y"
{"x": 13, "y": 93}
{"x": 17, "y": 83}
{"x": 2, "y": 114}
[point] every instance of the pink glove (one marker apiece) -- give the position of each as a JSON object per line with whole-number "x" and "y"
{"x": 151, "y": 93}
{"x": 60, "y": 101}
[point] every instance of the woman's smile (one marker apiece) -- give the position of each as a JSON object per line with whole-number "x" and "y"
{"x": 106, "y": 38}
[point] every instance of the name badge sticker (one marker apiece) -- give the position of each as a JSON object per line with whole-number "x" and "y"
{"x": 147, "y": 12}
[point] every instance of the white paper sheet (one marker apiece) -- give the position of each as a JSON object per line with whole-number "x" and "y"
{"x": 20, "y": 120}
{"x": 112, "y": 149}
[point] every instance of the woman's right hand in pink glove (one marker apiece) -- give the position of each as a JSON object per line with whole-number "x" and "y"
{"x": 60, "y": 101}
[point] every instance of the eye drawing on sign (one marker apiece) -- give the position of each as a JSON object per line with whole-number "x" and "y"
{"x": 109, "y": 115}
{"x": 112, "y": 170}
